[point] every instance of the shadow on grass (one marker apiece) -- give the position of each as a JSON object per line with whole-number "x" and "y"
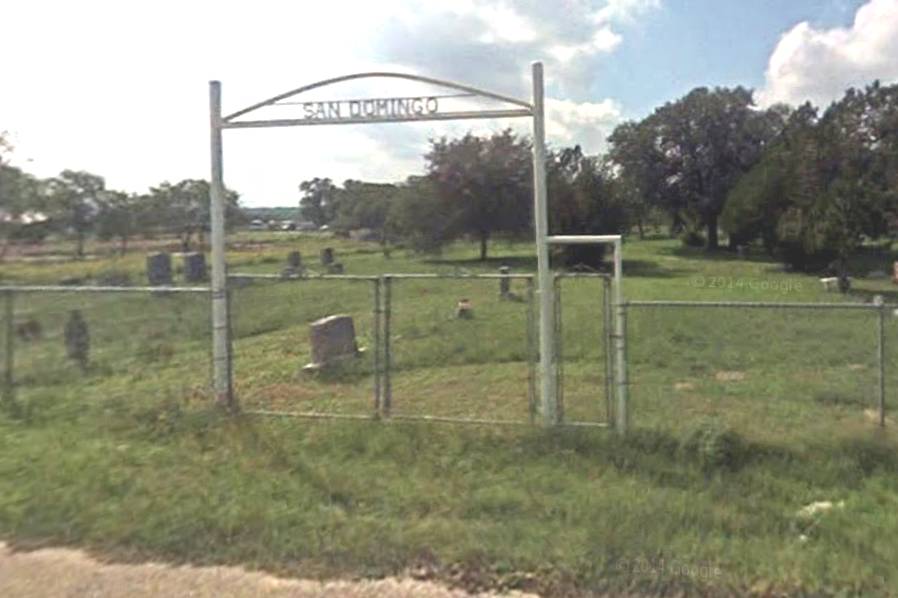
{"x": 518, "y": 264}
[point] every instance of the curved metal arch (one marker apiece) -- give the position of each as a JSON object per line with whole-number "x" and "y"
{"x": 326, "y": 82}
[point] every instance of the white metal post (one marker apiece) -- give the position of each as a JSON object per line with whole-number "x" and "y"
{"x": 548, "y": 396}
{"x": 620, "y": 343}
{"x": 221, "y": 359}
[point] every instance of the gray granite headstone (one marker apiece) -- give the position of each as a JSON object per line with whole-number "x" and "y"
{"x": 332, "y": 339}
{"x": 504, "y": 283}
{"x": 159, "y": 269}
{"x": 294, "y": 265}
{"x": 77, "y": 339}
{"x": 327, "y": 256}
{"x": 194, "y": 267}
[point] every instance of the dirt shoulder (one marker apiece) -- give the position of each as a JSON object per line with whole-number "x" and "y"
{"x": 62, "y": 572}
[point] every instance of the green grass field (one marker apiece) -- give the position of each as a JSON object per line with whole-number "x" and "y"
{"x": 740, "y": 418}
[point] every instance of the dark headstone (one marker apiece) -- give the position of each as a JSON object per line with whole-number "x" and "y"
{"x": 504, "y": 283}
{"x": 194, "y": 267}
{"x": 159, "y": 269}
{"x": 336, "y": 268}
{"x": 327, "y": 256}
{"x": 77, "y": 339}
{"x": 294, "y": 260}
{"x": 332, "y": 339}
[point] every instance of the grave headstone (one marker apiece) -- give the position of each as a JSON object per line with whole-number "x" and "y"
{"x": 332, "y": 339}
{"x": 159, "y": 269}
{"x": 77, "y": 339}
{"x": 327, "y": 256}
{"x": 464, "y": 310}
{"x": 194, "y": 267}
{"x": 504, "y": 283}
{"x": 294, "y": 265}
{"x": 335, "y": 268}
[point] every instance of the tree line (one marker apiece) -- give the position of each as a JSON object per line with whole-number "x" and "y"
{"x": 808, "y": 186}
{"x": 78, "y": 205}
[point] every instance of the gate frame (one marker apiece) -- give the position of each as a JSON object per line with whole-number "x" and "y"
{"x": 221, "y": 336}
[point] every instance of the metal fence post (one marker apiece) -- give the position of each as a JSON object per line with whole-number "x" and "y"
{"x": 620, "y": 337}
{"x": 9, "y": 361}
{"x": 377, "y": 346}
{"x": 387, "y": 401}
{"x": 558, "y": 362}
{"x": 621, "y": 415}
{"x": 881, "y": 328}
{"x": 531, "y": 352}
{"x": 609, "y": 357}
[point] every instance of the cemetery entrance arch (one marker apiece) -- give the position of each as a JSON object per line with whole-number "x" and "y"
{"x": 387, "y": 110}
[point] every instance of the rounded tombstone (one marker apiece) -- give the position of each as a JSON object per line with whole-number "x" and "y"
{"x": 194, "y": 267}
{"x": 159, "y": 269}
{"x": 327, "y": 256}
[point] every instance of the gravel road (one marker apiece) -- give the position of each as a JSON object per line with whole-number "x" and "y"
{"x": 62, "y": 572}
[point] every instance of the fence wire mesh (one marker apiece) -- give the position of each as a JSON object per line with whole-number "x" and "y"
{"x": 768, "y": 370}
{"x": 270, "y": 319}
{"x": 81, "y": 346}
{"x": 583, "y": 320}
{"x": 459, "y": 348}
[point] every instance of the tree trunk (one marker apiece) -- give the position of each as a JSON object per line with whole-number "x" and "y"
{"x": 123, "y": 245}
{"x": 79, "y": 245}
{"x": 641, "y": 228}
{"x": 712, "y": 233}
{"x": 484, "y": 238}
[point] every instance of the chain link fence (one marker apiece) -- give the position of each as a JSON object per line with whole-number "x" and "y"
{"x": 82, "y": 346}
{"x": 771, "y": 369}
{"x": 437, "y": 347}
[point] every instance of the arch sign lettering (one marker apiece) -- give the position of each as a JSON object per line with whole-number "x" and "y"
{"x": 315, "y": 112}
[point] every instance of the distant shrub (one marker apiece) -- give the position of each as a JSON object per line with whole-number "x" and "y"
{"x": 692, "y": 238}
{"x": 716, "y": 446}
{"x": 113, "y": 278}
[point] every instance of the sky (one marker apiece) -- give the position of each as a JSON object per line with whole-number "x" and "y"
{"x": 120, "y": 89}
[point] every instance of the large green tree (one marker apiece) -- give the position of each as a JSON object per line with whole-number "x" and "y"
{"x": 318, "y": 201}
{"x": 183, "y": 209}
{"x": 484, "y": 184}
{"x": 688, "y": 154}
{"x": 74, "y": 198}
{"x": 826, "y": 184}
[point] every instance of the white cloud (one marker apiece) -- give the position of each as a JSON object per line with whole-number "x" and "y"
{"x": 820, "y": 64}
{"x": 586, "y": 123}
{"x": 120, "y": 89}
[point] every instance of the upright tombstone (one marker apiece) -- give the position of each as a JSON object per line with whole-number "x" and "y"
{"x": 159, "y": 269}
{"x": 294, "y": 264}
{"x": 194, "y": 267}
{"x": 77, "y": 339}
{"x": 327, "y": 256}
{"x": 504, "y": 283}
{"x": 464, "y": 310}
{"x": 333, "y": 340}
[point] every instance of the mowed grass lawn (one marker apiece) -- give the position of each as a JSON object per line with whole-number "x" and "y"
{"x": 740, "y": 418}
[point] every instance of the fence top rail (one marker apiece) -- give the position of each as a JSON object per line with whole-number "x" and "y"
{"x": 239, "y": 276}
{"x": 497, "y": 276}
{"x": 400, "y": 276}
{"x": 98, "y": 289}
{"x": 753, "y": 304}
